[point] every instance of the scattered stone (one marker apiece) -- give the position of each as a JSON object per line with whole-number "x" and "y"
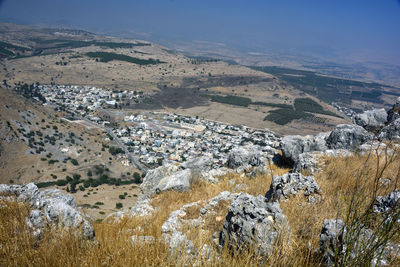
{"x": 346, "y": 136}
{"x": 394, "y": 112}
{"x": 294, "y": 145}
{"x": 307, "y": 162}
{"x": 245, "y": 157}
{"x": 142, "y": 207}
{"x": 49, "y": 207}
{"x": 333, "y": 240}
{"x": 385, "y": 204}
{"x": 290, "y": 184}
{"x": 251, "y": 221}
{"x": 391, "y": 131}
{"x": 179, "y": 242}
{"x": 371, "y": 120}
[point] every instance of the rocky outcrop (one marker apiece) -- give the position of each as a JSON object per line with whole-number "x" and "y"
{"x": 142, "y": 207}
{"x": 331, "y": 240}
{"x": 199, "y": 165}
{"x": 178, "y": 181}
{"x": 49, "y": 208}
{"x": 364, "y": 246}
{"x": 308, "y": 162}
{"x": 391, "y": 131}
{"x": 346, "y": 136}
{"x": 290, "y": 184}
{"x": 371, "y": 120}
{"x": 251, "y": 221}
{"x": 153, "y": 178}
{"x": 294, "y": 145}
{"x": 394, "y": 112}
{"x": 242, "y": 157}
{"x": 385, "y": 204}
{"x": 191, "y": 215}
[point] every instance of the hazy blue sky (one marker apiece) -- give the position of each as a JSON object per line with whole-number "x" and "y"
{"x": 365, "y": 27}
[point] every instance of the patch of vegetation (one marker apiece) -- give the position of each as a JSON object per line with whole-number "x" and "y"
{"x": 303, "y": 107}
{"x": 107, "y": 57}
{"x": 309, "y": 105}
{"x": 116, "y": 150}
{"x": 326, "y": 88}
{"x": 64, "y": 43}
{"x": 30, "y": 91}
{"x": 232, "y": 100}
{"x": 7, "y": 49}
{"x": 283, "y": 116}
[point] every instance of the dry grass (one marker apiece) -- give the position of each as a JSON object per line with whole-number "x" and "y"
{"x": 338, "y": 181}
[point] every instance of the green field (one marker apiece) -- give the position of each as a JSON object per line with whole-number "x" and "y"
{"x": 328, "y": 89}
{"x": 107, "y": 57}
{"x": 62, "y": 43}
{"x": 302, "y": 108}
{"x": 7, "y": 49}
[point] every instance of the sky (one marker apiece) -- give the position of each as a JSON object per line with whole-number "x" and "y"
{"x": 364, "y": 28}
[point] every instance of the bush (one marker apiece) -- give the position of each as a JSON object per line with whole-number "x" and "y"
{"x": 118, "y": 205}
{"x": 74, "y": 162}
{"x": 61, "y": 182}
{"x": 121, "y": 196}
{"x": 116, "y": 150}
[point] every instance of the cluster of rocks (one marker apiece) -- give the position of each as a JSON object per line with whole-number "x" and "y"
{"x": 48, "y": 208}
{"x": 253, "y": 221}
{"x": 180, "y": 177}
{"x": 258, "y": 220}
{"x": 385, "y": 124}
{"x": 357, "y": 244}
{"x": 372, "y": 126}
{"x": 282, "y": 187}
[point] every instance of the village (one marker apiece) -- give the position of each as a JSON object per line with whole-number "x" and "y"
{"x": 152, "y": 137}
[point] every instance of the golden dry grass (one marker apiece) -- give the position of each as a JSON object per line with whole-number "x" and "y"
{"x": 112, "y": 248}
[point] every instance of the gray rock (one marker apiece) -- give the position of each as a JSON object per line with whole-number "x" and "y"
{"x": 142, "y": 207}
{"x": 346, "y": 136}
{"x": 35, "y": 219}
{"x": 371, "y": 120}
{"x": 178, "y": 181}
{"x": 251, "y": 221}
{"x": 394, "y": 112}
{"x": 179, "y": 242}
{"x": 391, "y": 131}
{"x": 241, "y": 156}
{"x": 294, "y": 145}
{"x": 333, "y": 246}
{"x": 211, "y": 176}
{"x": 290, "y": 184}
{"x": 213, "y": 202}
{"x": 307, "y": 162}
{"x": 199, "y": 165}
{"x": 153, "y": 178}
{"x": 385, "y": 204}
{"x": 50, "y": 207}
{"x": 331, "y": 240}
